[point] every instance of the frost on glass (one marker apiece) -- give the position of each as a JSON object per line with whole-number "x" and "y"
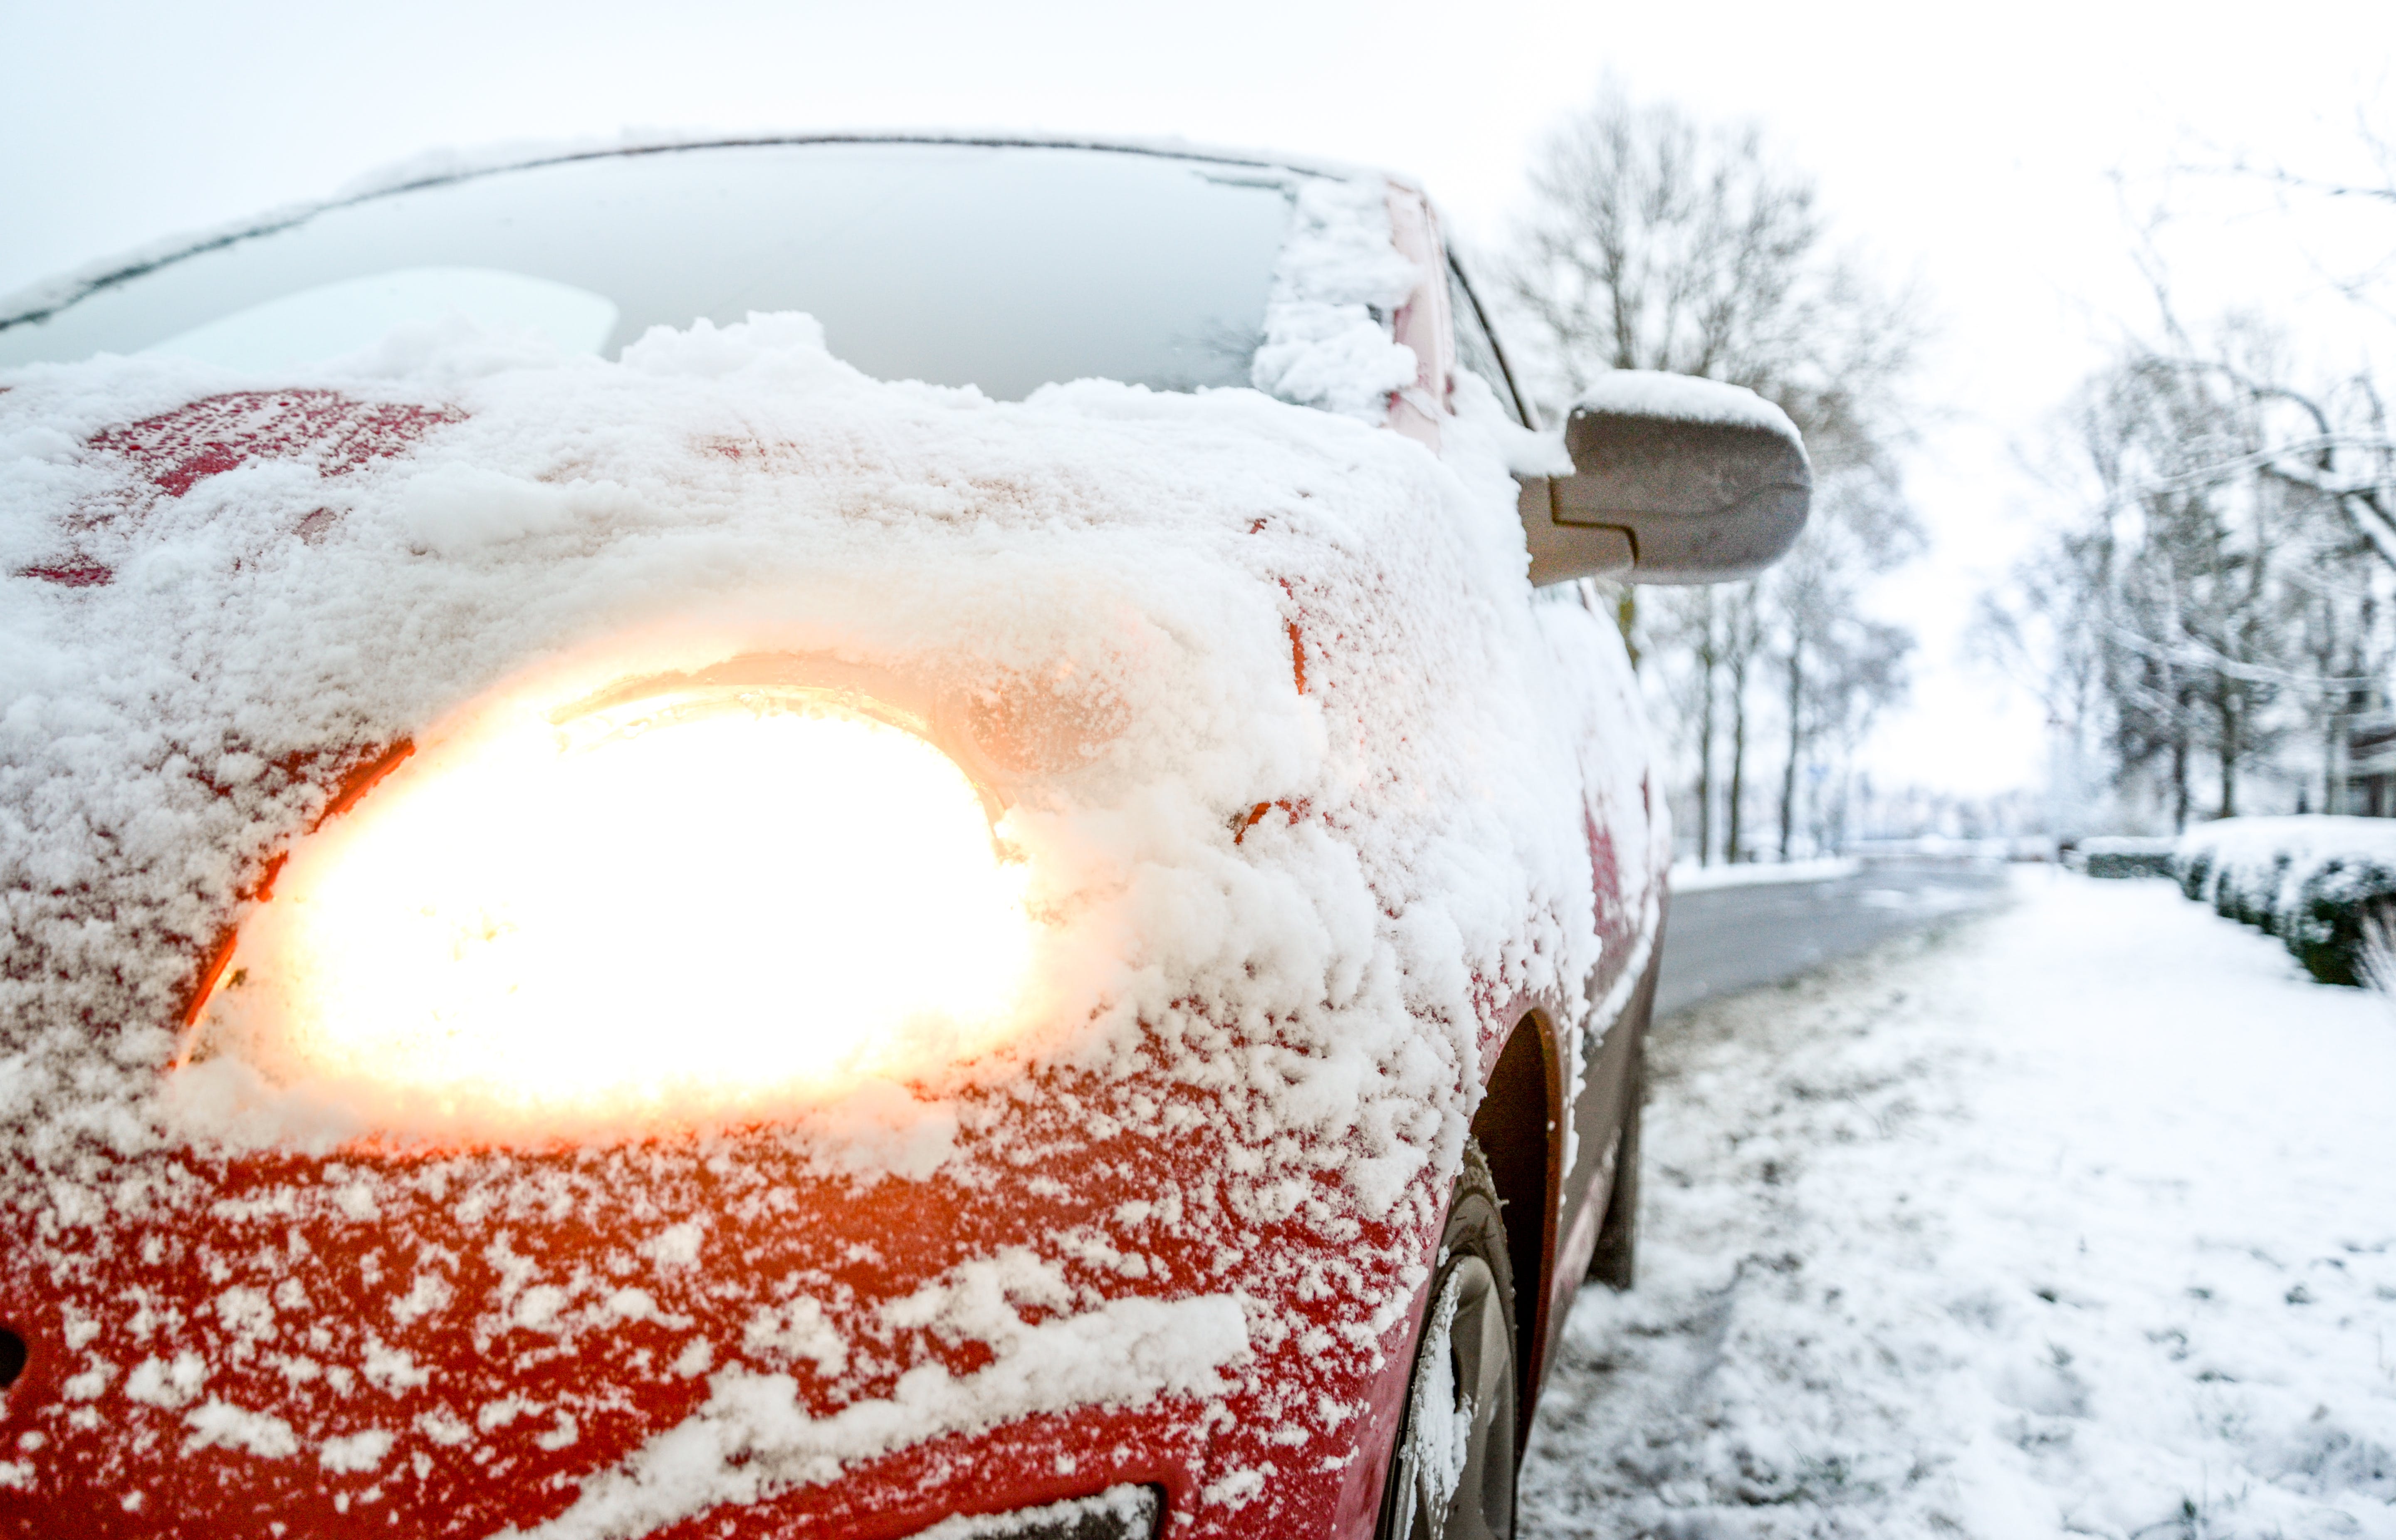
{"x": 1003, "y": 268}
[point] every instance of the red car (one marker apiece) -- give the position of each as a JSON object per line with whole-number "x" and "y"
{"x": 847, "y": 837}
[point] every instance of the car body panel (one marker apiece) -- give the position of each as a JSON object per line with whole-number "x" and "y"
{"x": 477, "y": 1341}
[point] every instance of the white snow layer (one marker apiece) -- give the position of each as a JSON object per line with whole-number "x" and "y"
{"x": 1438, "y": 1435}
{"x": 2128, "y": 844}
{"x": 2274, "y": 857}
{"x": 2303, "y": 840}
{"x": 1129, "y": 1507}
{"x": 1348, "y": 795}
{"x": 1326, "y": 340}
{"x": 754, "y": 1435}
{"x": 2079, "y": 1224}
{"x": 1685, "y": 398}
{"x": 1689, "y": 877}
{"x": 2305, "y": 878}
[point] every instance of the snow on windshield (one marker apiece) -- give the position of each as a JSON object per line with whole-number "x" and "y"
{"x": 350, "y": 315}
{"x": 1005, "y": 267}
{"x": 1333, "y": 815}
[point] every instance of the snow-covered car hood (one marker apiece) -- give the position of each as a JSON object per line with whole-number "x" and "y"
{"x": 1303, "y": 837}
{"x": 1246, "y": 603}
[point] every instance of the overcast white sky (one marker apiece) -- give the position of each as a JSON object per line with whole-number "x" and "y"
{"x": 1969, "y": 146}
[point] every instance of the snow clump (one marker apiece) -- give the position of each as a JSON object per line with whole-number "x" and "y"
{"x": 1686, "y": 398}
{"x": 1339, "y": 281}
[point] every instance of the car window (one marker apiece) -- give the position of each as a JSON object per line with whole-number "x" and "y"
{"x": 1005, "y": 267}
{"x": 328, "y": 320}
{"x": 1475, "y": 348}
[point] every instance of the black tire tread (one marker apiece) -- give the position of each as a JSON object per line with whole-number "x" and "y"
{"x": 1476, "y": 1223}
{"x": 1475, "y": 1226}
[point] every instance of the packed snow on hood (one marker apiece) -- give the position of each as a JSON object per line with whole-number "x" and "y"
{"x": 2079, "y": 1221}
{"x": 1297, "y": 785}
{"x": 1187, "y": 583}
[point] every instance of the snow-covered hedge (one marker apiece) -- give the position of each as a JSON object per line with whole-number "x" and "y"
{"x": 2312, "y": 882}
{"x": 2124, "y": 855}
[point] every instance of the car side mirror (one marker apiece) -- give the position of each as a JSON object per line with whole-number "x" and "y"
{"x": 1675, "y": 480}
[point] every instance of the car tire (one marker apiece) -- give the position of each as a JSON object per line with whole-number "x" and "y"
{"x": 1452, "y": 1471}
{"x": 1614, "y": 1261}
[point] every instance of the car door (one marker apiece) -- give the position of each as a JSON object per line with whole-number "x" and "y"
{"x": 1629, "y": 844}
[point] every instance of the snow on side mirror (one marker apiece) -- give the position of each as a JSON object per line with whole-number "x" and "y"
{"x": 1675, "y": 480}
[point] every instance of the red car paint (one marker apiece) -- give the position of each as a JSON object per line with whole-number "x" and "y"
{"x": 175, "y": 451}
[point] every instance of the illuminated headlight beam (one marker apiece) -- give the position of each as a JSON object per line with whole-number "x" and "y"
{"x": 701, "y": 912}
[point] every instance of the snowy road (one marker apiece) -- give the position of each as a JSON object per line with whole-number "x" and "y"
{"x": 1735, "y": 938}
{"x": 2075, "y": 1220}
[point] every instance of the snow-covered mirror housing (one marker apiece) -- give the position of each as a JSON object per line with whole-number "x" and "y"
{"x": 1675, "y": 480}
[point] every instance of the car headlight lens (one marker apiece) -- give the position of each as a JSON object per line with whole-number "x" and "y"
{"x": 699, "y": 906}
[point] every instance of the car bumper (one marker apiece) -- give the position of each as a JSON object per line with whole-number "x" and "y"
{"x": 712, "y": 1336}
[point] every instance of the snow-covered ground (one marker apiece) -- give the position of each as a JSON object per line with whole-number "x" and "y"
{"x": 2077, "y": 1221}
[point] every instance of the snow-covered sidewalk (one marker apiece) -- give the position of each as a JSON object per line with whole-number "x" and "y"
{"x": 2080, "y": 1220}
{"x": 1689, "y": 877}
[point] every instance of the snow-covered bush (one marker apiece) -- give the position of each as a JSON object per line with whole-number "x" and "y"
{"x": 2126, "y": 856}
{"x": 2316, "y": 882}
{"x": 2379, "y": 950}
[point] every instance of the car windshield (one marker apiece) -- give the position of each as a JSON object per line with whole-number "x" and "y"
{"x": 1003, "y": 267}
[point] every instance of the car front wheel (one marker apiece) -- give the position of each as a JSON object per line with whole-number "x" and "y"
{"x": 1452, "y": 1475}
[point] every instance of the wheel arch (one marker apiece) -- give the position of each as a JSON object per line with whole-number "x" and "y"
{"x": 1519, "y": 1128}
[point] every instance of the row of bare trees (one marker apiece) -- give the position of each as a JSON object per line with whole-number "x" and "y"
{"x": 1657, "y": 242}
{"x": 2218, "y": 611}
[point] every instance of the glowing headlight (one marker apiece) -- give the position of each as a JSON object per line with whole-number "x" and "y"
{"x": 702, "y": 905}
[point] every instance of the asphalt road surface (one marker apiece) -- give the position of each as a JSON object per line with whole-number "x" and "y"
{"x": 1720, "y": 939}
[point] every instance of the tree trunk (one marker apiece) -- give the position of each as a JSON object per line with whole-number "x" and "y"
{"x": 2179, "y": 766}
{"x": 2330, "y": 724}
{"x": 1737, "y": 753}
{"x": 1796, "y": 744}
{"x": 1705, "y": 747}
{"x": 2228, "y": 707}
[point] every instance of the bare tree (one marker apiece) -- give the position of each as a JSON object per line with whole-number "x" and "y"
{"x": 1657, "y": 242}
{"x": 1855, "y": 678}
{"x": 1697, "y": 632}
{"x": 1838, "y": 669}
{"x": 2204, "y": 606}
{"x": 2218, "y": 611}
{"x": 2331, "y": 440}
{"x": 1743, "y": 639}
